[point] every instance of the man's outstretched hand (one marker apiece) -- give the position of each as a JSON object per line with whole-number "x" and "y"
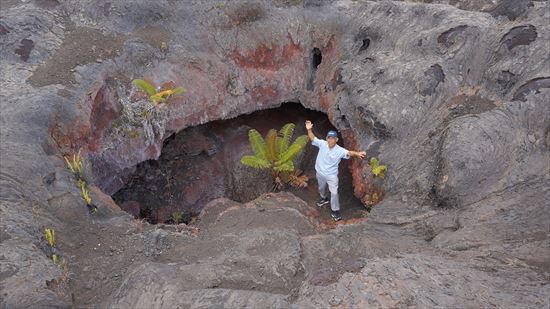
{"x": 309, "y": 125}
{"x": 359, "y": 154}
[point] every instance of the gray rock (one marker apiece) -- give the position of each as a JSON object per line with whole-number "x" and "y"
{"x": 454, "y": 94}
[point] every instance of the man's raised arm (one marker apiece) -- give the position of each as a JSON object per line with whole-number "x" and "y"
{"x": 310, "y": 134}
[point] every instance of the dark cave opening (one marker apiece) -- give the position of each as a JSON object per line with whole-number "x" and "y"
{"x": 316, "y": 58}
{"x": 202, "y": 163}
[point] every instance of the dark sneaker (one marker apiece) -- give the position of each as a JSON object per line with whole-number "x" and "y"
{"x": 336, "y": 216}
{"x": 322, "y": 202}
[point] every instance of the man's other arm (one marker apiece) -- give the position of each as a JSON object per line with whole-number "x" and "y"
{"x": 357, "y": 154}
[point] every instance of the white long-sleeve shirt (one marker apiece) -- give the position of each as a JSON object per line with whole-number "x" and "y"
{"x": 328, "y": 159}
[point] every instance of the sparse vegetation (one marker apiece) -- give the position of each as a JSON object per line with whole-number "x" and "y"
{"x": 273, "y": 152}
{"x": 49, "y": 234}
{"x": 377, "y": 169}
{"x": 66, "y": 273}
{"x": 75, "y": 165}
{"x": 177, "y": 217}
{"x": 134, "y": 134}
{"x": 87, "y": 198}
{"x": 375, "y": 191}
{"x": 85, "y": 195}
{"x": 160, "y": 95}
{"x": 145, "y": 114}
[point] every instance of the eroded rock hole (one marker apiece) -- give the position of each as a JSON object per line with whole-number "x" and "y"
{"x": 202, "y": 163}
{"x": 24, "y": 49}
{"x": 316, "y": 59}
{"x": 364, "y": 45}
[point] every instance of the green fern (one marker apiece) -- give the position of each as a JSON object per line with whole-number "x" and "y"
{"x": 157, "y": 96}
{"x": 283, "y": 139}
{"x": 177, "y": 217}
{"x": 294, "y": 150}
{"x": 178, "y": 90}
{"x": 377, "y": 169}
{"x": 273, "y": 152}
{"x": 287, "y": 166}
{"x": 145, "y": 86}
{"x": 255, "y": 162}
{"x": 258, "y": 144}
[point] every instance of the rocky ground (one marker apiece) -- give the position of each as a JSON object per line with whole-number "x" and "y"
{"x": 455, "y": 93}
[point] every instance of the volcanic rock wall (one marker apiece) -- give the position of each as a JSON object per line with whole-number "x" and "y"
{"x": 457, "y": 98}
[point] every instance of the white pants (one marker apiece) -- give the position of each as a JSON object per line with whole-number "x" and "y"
{"x": 332, "y": 182}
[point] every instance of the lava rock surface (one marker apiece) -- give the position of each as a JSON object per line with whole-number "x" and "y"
{"x": 454, "y": 93}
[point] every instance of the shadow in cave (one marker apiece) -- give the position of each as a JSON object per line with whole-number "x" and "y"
{"x": 202, "y": 163}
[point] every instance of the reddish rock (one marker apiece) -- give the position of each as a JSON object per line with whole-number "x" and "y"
{"x": 105, "y": 108}
{"x": 266, "y": 57}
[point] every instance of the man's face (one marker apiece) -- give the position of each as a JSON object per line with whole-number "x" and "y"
{"x": 331, "y": 141}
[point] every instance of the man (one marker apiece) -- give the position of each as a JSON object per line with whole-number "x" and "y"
{"x": 326, "y": 166}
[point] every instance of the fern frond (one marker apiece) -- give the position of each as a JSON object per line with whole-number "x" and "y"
{"x": 373, "y": 162}
{"x": 294, "y": 150}
{"x": 258, "y": 144}
{"x": 178, "y": 90}
{"x": 255, "y": 162}
{"x": 145, "y": 86}
{"x": 287, "y": 166}
{"x": 157, "y": 98}
{"x": 271, "y": 145}
{"x": 377, "y": 169}
{"x": 285, "y": 134}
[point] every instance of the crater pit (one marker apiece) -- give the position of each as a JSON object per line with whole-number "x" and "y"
{"x": 202, "y": 163}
